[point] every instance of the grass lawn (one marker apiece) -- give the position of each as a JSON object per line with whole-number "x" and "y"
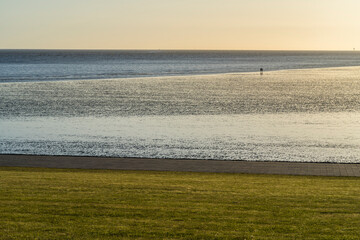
{"x": 107, "y": 204}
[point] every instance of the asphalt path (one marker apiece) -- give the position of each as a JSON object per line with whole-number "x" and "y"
{"x": 182, "y": 165}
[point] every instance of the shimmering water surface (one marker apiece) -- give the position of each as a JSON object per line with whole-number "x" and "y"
{"x": 320, "y": 137}
{"x": 287, "y": 115}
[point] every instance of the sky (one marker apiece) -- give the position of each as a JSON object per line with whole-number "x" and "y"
{"x": 180, "y": 24}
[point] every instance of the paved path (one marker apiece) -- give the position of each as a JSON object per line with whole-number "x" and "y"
{"x": 287, "y": 168}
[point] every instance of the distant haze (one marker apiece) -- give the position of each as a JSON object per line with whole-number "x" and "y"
{"x": 180, "y": 24}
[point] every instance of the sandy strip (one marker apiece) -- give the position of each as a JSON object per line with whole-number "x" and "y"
{"x": 181, "y": 165}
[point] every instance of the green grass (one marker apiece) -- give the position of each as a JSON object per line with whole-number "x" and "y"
{"x": 105, "y": 204}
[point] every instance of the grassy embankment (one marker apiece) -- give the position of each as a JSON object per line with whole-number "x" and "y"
{"x": 86, "y": 204}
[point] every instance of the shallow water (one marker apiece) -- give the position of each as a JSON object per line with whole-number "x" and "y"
{"x": 50, "y": 65}
{"x": 294, "y": 115}
{"x": 311, "y": 137}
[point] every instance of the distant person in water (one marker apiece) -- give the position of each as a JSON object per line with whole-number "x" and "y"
{"x": 261, "y": 71}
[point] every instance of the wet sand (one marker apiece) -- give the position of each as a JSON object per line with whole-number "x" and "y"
{"x": 182, "y": 165}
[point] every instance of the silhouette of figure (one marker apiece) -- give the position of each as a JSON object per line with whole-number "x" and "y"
{"x": 261, "y": 71}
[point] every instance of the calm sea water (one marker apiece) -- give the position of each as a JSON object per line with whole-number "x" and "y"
{"x": 45, "y": 65}
{"x": 182, "y": 104}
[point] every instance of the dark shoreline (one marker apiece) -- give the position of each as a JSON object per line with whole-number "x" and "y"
{"x": 182, "y": 165}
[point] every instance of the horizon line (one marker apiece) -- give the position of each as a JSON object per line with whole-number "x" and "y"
{"x": 175, "y": 49}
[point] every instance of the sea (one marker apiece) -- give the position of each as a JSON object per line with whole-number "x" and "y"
{"x": 303, "y": 107}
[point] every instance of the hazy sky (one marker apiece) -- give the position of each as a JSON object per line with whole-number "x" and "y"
{"x": 180, "y": 24}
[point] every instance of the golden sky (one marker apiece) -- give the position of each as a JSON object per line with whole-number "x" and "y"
{"x": 180, "y": 24}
